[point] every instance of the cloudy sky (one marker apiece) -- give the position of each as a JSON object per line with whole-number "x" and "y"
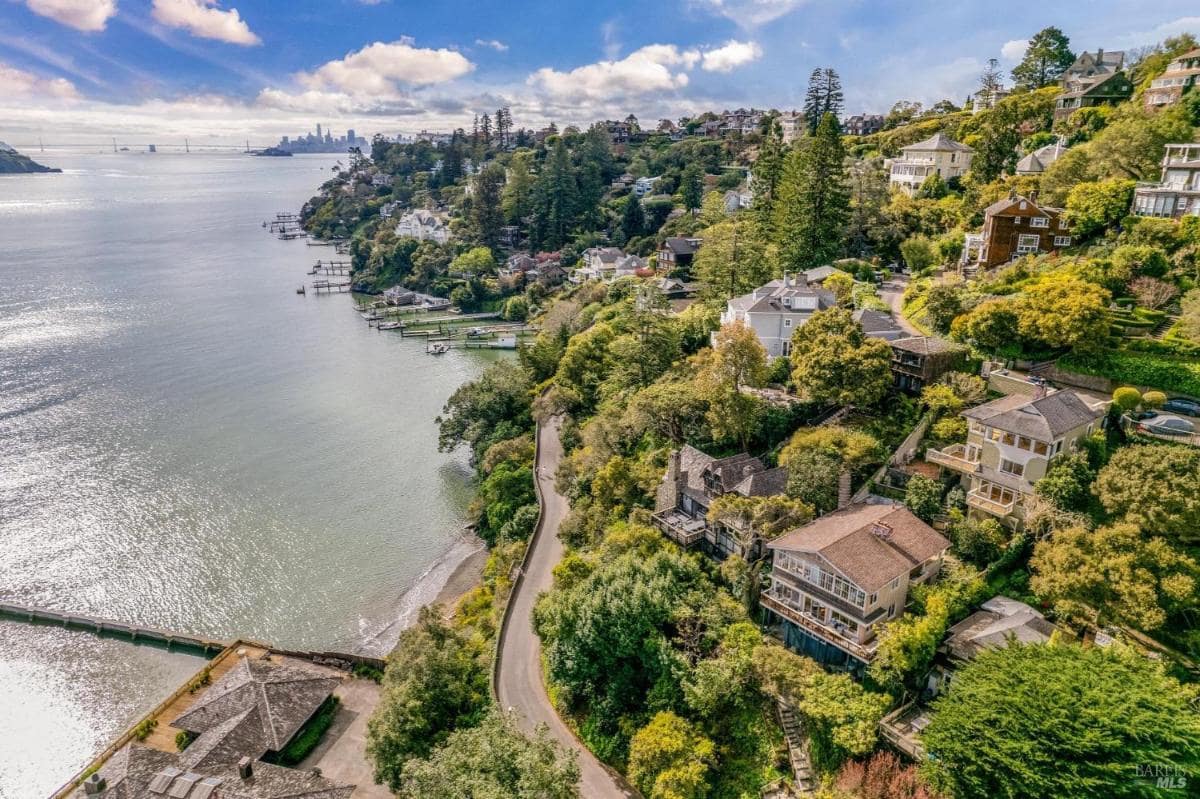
{"x": 79, "y": 71}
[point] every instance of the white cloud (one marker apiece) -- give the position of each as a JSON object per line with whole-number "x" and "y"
{"x": 644, "y": 71}
{"x": 19, "y": 83}
{"x": 731, "y": 55}
{"x": 1014, "y": 50}
{"x": 205, "y": 19}
{"x": 376, "y": 69}
{"x": 84, "y": 15}
{"x": 495, "y": 44}
{"x": 750, "y": 13}
{"x": 1159, "y": 32}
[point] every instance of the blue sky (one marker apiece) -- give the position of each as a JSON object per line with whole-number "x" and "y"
{"x": 229, "y": 69}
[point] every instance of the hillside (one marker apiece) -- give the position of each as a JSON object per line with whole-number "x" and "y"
{"x": 12, "y": 162}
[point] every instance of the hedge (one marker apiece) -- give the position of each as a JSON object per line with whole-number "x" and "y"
{"x": 309, "y": 735}
{"x": 1169, "y": 373}
{"x": 1168, "y": 346}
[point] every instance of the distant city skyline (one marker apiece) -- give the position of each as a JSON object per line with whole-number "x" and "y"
{"x": 224, "y": 72}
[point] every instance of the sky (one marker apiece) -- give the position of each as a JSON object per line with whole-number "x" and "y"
{"x": 224, "y": 71}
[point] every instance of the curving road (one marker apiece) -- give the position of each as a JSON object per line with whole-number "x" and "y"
{"x": 518, "y": 676}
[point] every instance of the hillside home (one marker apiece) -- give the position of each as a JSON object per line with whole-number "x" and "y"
{"x": 422, "y": 226}
{"x": 985, "y": 99}
{"x": 1179, "y": 79}
{"x": 677, "y": 252}
{"x": 1178, "y": 192}
{"x": 607, "y": 264}
{"x": 644, "y": 186}
{"x": 775, "y": 310}
{"x": 791, "y": 125}
{"x": 863, "y": 124}
{"x": 1036, "y": 162}
{"x": 836, "y": 579}
{"x": 919, "y": 361}
{"x": 937, "y": 155}
{"x": 1011, "y": 443}
{"x": 878, "y": 324}
{"x": 1094, "y": 79}
{"x": 1013, "y": 227}
{"x": 693, "y": 480}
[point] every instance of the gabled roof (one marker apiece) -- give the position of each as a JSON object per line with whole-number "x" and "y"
{"x": 741, "y": 474}
{"x": 681, "y": 246}
{"x": 818, "y": 274}
{"x": 1005, "y": 203}
{"x": 1037, "y": 161}
{"x": 926, "y": 345}
{"x": 1000, "y": 621}
{"x": 938, "y": 142}
{"x": 870, "y": 544}
{"x": 274, "y": 699}
{"x": 873, "y": 321}
{"x": 767, "y": 483}
{"x": 1045, "y": 418}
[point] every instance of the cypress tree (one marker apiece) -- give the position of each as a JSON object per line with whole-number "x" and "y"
{"x": 633, "y": 221}
{"x": 813, "y": 201}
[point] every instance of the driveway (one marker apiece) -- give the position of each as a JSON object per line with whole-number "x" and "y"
{"x": 518, "y": 677}
{"x": 342, "y": 753}
{"x": 892, "y": 293}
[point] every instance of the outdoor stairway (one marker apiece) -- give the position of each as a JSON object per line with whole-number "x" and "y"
{"x": 1165, "y": 325}
{"x": 797, "y": 743}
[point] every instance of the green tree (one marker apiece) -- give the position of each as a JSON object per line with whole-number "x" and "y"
{"x": 1189, "y": 319}
{"x": 494, "y": 760}
{"x": 487, "y": 214}
{"x": 834, "y": 362}
{"x": 980, "y": 542}
{"x": 819, "y": 458}
{"x": 734, "y": 259}
{"x": 737, "y": 361}
{"x": 907, "y": 645}
{"x": 434, "y": 683}
{"x": 585, "y": 365}
{"x": 841, "y": 284}
{"x": 505, "y": 491}
{"x": 1114, "y": 574}
{"x": 633, "y": 221}
{"x": 517, "y": 200}
{"x": 919, "y": 253}
{"x": 1064, "y": 312}
{"x": 813, "y": 200}
{"x": 1127, "y": 398}
{"x": 1047, "y": 57}
{"x": 475, "y": 262}
{"x": 556, "y": 202}
{"x": 494, "y": 407}
{"x": 992, "y": 325}
{"x": 670, "y": 759}
{"x": 1156, "y": 487}
{"x": 943, "y": 303}
{"x": 691, "y": 187}
{"x": 923, "y": 496}
{"x": 1094, "y": 207}
{"x": 1012, "y": 724}
{"x": 1067, "y": 483}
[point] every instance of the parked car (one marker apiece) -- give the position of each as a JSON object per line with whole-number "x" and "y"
{"x": 1139, "y": 416}
{"x": 1167, "y": 426}
{"x": 1180, "y": 405}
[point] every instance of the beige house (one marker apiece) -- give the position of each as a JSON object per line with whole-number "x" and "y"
{"x": 937, "y": 155}
{"x": 835, "y": 580}
{"x": 1011, "y": 443}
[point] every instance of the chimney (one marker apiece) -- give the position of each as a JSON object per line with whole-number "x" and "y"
{"x": 245, "y": 769}
{"x": 1012, "y": 194}
{"x": 1100, "y": 55}
{"x": 881, "y": 530}
{"x": 1033, "y": 196}
{"x": 94, "y": 785}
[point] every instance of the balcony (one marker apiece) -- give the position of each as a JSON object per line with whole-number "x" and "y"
{"x": 679, "y": 527}
{"x": 864, "y": 652}
{"x": 990, "y": 503}
{"x": 953, "y": 457}
{"x": 902, "y": 728}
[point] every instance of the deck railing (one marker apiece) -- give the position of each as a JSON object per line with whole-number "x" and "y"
{"x": 863, "y": 653}
{"x": 953, "y": 457}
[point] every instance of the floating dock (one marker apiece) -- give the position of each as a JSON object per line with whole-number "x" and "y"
{"x": 101, "y": 626}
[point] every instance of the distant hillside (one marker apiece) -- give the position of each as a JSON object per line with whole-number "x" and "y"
{"x": 12, "y": 162}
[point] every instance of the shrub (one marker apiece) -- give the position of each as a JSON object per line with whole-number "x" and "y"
{"x": 923, "y": 497}
{"x": 1092, "y": 207}
{"x": 144, "y": 728}
{"x": 309, "y": 735}
{"x": 183, "y": 739}
{"x": 1127, "y": 398}
{"x": 1141, "y": 368}
{"x": 1153, "y": 399}
{"x": 919, "y": 253}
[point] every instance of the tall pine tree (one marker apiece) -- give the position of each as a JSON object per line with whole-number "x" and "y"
{"x": 1046, "y": 59}
{"x": 814, "y": 100}
{"x": 812, "y": 206}
{"x": 555, "y": 200}
{"x": 633, "y": 221}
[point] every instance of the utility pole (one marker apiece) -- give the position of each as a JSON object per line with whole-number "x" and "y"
{"x": 186, "y": 148}
{"x": 41, "y": 146}
{"x": 114, "y": 144}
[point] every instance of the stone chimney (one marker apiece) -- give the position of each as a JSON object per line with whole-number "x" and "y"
{"x": 1033, "y": 196}
{"x": 672, "y": 484}
{"x": 245, "y": 768}
{"x": 844, "y": 488}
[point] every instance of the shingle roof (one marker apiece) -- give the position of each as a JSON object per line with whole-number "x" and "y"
{"x": 939, "y": 142}
{"x": 1045, "y": 418}
{"x": 741, "y": 474}
{"x": 873, "y": 321}
{"x": 767, "y": 483}
{"x": 1005, "y": 203}
{"x": 926, "y": 345}
{"x": 1001, "y": 620}
{"x": 680, "y": 246}
{"x": 1039, "y": 159}
{"x": 870, "y": 544}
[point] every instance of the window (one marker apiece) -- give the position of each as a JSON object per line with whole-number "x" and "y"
{"x": 1039, "y": 221}
{"x": 787, "y": 322}
{"x": 1040, "y": 447}
{"x": 1024, "y": 443}
{"x": 1062, "y": 241}
{"x": 1010, "y": 439}
{"x": 846, "y": 622}
{"x": 995, "y": 435}
{"x": 1028, "y": 242}
{"x": 915, "y": 573}
{"x": 1012, "y": 467}
{"x": 872, "y": 599}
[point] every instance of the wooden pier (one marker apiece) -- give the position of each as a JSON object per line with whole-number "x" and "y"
{"x": 330, "y": 286}
{"x": 101, "y": 626}
{"x": 331, "y": 268}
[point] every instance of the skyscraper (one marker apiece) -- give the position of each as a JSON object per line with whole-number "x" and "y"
{"x": 318, "y": 130}
{"x": 351, "y": 139}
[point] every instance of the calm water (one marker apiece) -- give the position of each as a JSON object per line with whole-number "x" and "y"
{"x": 186, "y": 443}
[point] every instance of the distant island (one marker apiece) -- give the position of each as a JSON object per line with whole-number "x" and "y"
{"x": 273, "y": 152}
{"x": 13, "y": 163}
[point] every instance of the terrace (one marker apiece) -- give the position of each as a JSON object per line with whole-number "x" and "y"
{"x": 954, "y": 457}
{"x": 864, "y": 652}
{"x": 679, "y": 527}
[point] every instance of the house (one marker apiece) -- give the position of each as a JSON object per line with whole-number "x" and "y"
{"x": 834, "y": 581}
{"x": 791, "y": 126}
{"x": 674, "y": 288}
{"x": 1179, "y": 79}
{"x": 677, "y": 252}
{"x": 985, "y": 99}
{"x": 878, "y": 324}
{"x": 644, "y": 186}
{"x": 937, "y": 155}
{"x": 618, "y": 132}
{"x": 863, "y": 124}
{"x": 1011, "y": 443}
{"x": 1094, "y": 79}
{"x": 693, "y": 480}
{"x": 1013, "y": 227}
{"x": 919, "y": 361}
{"x": 737, "y": 200}
{"x": 423, "y": 226}
{"x": 510, "y": 236}
{"x": 1036, "y": 162}
{"x": 999, "y": 622}
{"x": 388, "y": 210}
{"x": 775, "y": 310}
{"x": 1178, "y": 192}
{"x": 607, "y": 264}
{"x": 518, "y": 264}
{"x": 381, "y": 179}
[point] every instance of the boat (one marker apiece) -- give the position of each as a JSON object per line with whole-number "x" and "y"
{"x": 300, "y": 290}
{"x": 437, "y": 349}
{"x": 390, "y": 325}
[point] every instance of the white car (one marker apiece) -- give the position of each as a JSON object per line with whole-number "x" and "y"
{"x": 1167, "y": 425}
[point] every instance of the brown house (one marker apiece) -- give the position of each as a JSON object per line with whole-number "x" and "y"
{"x": 1014, "y": 227}
{"x": 1094, "y": 79}
{"x": 677, "y": 252}
{"x": 1179, "y": 79}
{"x": 918, "y": 361}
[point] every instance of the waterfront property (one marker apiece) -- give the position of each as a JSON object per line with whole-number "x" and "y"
{"x": 1094, "y": 79}
{"x": 1178, "y": 191}
{"x": 835, "y": 580}
{"x": 999, "y": 622}
{"x": 1014, "y": 227}
{"x": 938, "y": 155}
{"x": 775, "y": 310}
{"x": 1011, "y": 442}
{"x": 693, "y": 480}
{"x": 918, "y": 361}
{"x": 423, "y": 225}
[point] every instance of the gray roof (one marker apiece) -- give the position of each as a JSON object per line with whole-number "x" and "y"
{"x": 873, "y": 321}
{"x": 819, "y": 273}
{"x": 771, "y": 298}
{"x": 1044, "y": 419}
{"x": 767, "y": 483}
{"x": 871, "y": 544}
{"x": 1000, "y": 621}
{"x": 738, "y": 474}
{"x": 130, "y": 772}
{"x": 1037, "y": 161}
{"x": 681, "y": 246}
{"x": 926, "y": 345}
{"x": 938, "y": 142}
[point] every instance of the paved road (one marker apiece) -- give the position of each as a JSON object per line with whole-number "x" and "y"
{"x": 519, "y": 674}
{"x": 893, "y": 295}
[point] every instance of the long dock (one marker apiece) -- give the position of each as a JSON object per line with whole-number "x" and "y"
{"x": 329, "y": 285}
{"x": 331, "y": 268}
{"x": 102, "y": 626}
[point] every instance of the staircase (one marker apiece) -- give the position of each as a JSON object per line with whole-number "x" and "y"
{"x": 1160, "y": 332}
{"x": 797, "y": 743}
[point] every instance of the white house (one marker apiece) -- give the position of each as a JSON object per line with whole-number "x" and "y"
{"x": 607, "y": 264}
{"x": 775, "y": 310}
{"x": 791, "y": 125}
{"x": 937, "y": 155}
{"x": 644, "y": 186}
{"x": 423, "y": 226}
